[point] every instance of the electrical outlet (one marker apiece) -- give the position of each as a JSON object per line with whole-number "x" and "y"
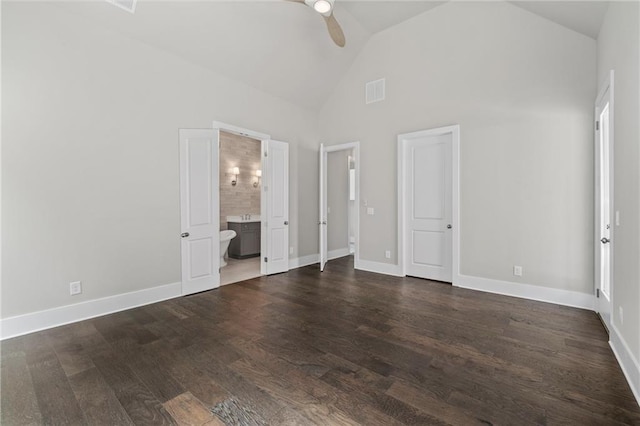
{"x": 620, "y": 313}
{"x": 387, "y": 254}
{"x": 290, "y": 250}
{"x": 75, "y": 288}
{"x": 517, "y": 270}
{"x": 328, "y": 209}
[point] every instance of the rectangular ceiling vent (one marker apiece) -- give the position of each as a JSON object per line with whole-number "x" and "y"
{"x": 128, "y": 5}
{"x": 375, "y": 91}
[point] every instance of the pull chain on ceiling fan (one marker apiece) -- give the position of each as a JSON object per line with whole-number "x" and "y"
{"x": 325, "y": 8}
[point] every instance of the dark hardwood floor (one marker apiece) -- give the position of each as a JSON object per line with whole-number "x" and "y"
{"x": 341, "y": 347}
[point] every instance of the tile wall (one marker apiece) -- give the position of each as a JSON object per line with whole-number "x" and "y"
{"x": 244, "y": 153}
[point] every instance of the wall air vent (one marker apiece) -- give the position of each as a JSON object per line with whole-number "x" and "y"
{"x": 375, "y": 91}
{"x": 128, "y": 5}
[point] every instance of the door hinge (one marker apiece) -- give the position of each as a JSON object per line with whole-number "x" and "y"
{"x": 597, "y": 125}
{"x": 598, "y": 293}
{"x": 266, "y": 259}
{"x": 266, "y": 154}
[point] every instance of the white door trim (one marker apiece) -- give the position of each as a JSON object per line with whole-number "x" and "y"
{"x": 454, "y": 130}
{"x": 355, "y": 146}
{"x": 606, "y": 90}
{"x": 263, "y": 138}
{"x": 230, "y": 128}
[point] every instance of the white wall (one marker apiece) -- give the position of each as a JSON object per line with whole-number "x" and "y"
{"x": 522, "y": 89}
{"x": 90, "y": 156}
{"x": 618, "y": 49}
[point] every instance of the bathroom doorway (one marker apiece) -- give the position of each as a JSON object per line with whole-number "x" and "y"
{"x": 240, "y": 207}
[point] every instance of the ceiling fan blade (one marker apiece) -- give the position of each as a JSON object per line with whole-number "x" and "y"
{"x": 335, "y": 31}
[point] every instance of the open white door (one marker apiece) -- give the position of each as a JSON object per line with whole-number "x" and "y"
{"x": 322, "y": 222}
{"x": 199, "y": 210}
{"x": 604, "y": 201}
{"x": 276, "y": 192}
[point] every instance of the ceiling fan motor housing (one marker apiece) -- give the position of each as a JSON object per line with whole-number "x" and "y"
{"x": 312, "y": 4}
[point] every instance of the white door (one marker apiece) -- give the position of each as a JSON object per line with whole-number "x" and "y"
{"x": 276, "y": 193}
{"x": 322, "y": 222}
{"x": 199, "y": 210}
{"x": 428, "y": 205}
{"x": 604, "y": 204}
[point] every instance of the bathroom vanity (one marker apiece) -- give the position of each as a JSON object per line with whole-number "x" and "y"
{"x": 247, "y": 242}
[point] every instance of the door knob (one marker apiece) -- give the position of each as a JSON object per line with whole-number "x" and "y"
{"x": 605, "y": 240}
{"x": 286, "y": 222}
{"x": 449, "y": 226}
{"x": 184, "y": 234}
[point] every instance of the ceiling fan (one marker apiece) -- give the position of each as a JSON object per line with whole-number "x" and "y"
{"x": 325, "y": 8}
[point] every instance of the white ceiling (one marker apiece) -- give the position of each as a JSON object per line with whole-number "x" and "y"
{"x": 584, "y": 17}
{"x": 283, "y": 47}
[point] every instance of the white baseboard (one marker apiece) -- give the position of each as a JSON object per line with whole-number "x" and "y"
{"x": 299, "y": 262}
{"x": 628, "y": 363}
{"x": 380, "y": 268}
{"x": 338, "y": 253}
{"x": 42, "y": 320}
{"x": 527, "y": 291}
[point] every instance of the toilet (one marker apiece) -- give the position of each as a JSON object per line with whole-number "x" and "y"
{"x": 225, "y": 238}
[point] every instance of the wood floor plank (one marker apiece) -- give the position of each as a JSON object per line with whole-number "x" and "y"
{"x": 337, "y": 347}
{"x": 56, "y": 400}
{"x": 187, "y": 374}
{"x": 141, "y": 405}
{"x": 311, "y": 400}
{"x": 188, "y": 410}
{"x": 436, "y": 407}
{"x": 18, "y": 401}
{"x": 97, "y": 400}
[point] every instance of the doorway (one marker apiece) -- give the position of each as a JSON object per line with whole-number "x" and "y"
{"x": 339, "y": 223}
{"x": 201, "y": 175}
{"x": 604, "y": 208}
{"x": 240, "y": 207}
{"x": 428, "y": 235}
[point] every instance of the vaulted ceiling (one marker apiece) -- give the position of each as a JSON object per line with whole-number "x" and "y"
{"x": 283, "y": 47}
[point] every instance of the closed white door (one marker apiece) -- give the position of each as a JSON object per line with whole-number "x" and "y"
{"x": 276, "y": 192}
{"x": 604, "y": 202}
{"x": 428, "y": 205}
{"x": 199, "y": 210}
{"x": 322, "y": 222}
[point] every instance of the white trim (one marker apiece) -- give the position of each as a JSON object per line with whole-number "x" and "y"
{"x": 230, "y": 128}
{"x": 380, "y": 268}
{"x": 527, "y": 291}
{"x": 338, "y": 253}
{"x": 42, "y": 320}
{"x": 628, "y": 363}
{"x": 299, "y": 262}
{"x": 355, "y": 146}
{"x": 455, "y": 196}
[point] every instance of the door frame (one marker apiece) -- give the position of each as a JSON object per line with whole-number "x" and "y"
{"x": 263, "y": 138}
{"x": 324, "y": 150}
{"x": 454, "y": 130}
{"x": 606, "y": 90}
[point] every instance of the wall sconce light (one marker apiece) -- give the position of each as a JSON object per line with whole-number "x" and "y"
{"x": 258, "y": 176}
{"x": 236, "y": 172}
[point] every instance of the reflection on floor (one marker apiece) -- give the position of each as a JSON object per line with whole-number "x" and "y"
{"x": 239, "y": 270}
